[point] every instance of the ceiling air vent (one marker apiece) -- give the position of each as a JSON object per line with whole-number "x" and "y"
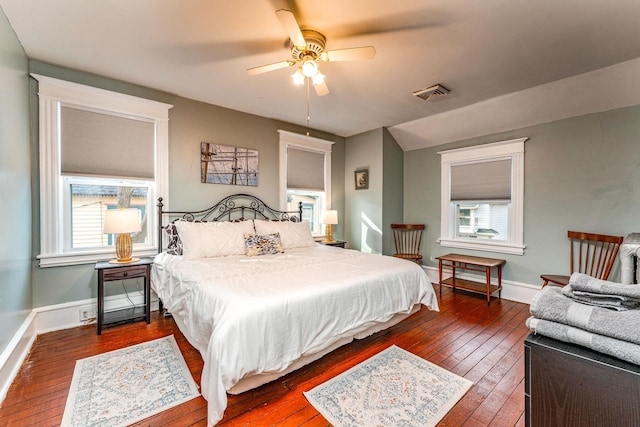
{"x": 431, "y": 92}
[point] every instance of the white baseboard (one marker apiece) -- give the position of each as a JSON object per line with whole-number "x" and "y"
{"x": 513, "y": 291}
{"x": 52, "y": 318}
{"x": 67, "y": 315}
{"x": 16, "y": 352}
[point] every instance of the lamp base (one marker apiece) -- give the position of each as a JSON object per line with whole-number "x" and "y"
{"x": 124, "y": 249}
{"x": 124, "y": 261}
{"x": 328, "y": 238}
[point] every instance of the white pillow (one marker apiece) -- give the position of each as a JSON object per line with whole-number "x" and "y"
{"x": 292, "y": 234}
{"x": 212, "y": 239}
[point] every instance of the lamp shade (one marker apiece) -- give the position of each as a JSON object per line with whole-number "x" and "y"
{"x": 329, "y": 217}
{"x": 118, "y": 221}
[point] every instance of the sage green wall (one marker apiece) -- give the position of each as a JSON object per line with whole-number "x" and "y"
{"x": 363, "y": 208}
{"x": 190, "y": 123}
{"x": 15, "y": 185}
{"x": 580, "y": 174}
{"x": 371, "y": 211}
{"x": 392, "y": 189}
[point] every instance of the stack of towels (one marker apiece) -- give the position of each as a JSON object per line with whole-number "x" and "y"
{"x": 601, "y": 315}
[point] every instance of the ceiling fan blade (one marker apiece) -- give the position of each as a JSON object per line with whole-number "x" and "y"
{"x": 269, "y": 67}
{"x": 291, "y": 27}
{"x": 351, "y": 54}
{"x": 321, "y": 88}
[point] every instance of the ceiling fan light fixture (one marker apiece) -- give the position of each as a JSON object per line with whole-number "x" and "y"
{"x": 307, "y": 50}
{"x": 318, "y": 78}
{"x": 298, "y": 77}
{"x": 309, "y": 68}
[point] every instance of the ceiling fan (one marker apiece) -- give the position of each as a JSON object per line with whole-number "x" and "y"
{"x": 307, "y": 50}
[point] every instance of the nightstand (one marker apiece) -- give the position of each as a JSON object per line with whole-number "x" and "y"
{"x": 336, "y": 243}
{"x": 108, "y": 272}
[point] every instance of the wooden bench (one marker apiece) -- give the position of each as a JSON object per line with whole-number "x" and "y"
{"x": 465, "y": 262}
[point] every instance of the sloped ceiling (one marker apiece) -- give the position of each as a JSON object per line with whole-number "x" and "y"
{"x": 506, "y": 62}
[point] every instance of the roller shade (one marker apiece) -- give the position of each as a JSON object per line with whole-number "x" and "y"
{"x": 305, "y": 169}
{"x": 481, "y": 181}
{"x": 102, "y": 144}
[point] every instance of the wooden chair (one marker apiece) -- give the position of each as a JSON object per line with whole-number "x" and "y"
{"x": 408, "y": 239}
{"x": 592, "y": 254}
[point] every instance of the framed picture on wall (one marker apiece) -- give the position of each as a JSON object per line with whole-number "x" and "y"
{"x": 362, "y": 178}
{"x": 221, "y": 164}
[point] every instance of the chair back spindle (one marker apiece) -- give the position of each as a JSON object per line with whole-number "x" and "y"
{"x": 592, "y": 254}
{"x": 408, "y": 240}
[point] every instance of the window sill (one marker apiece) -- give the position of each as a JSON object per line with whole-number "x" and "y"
{"x": 73, "y": 258}
{"x": 487, "y": 246}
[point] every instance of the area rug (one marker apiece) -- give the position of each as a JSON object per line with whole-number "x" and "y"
{"x": 128, "y": 385}
{"x": 392, "y": 388}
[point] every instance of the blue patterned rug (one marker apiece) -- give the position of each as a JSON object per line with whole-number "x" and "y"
{"x": 128, "y": 385}
{"x": 392, "y": 388}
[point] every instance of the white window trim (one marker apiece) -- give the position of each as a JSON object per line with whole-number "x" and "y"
{"x": 306, "y": 143}
{"x": 52, "y": 93}
{"x": 511, "y": 149}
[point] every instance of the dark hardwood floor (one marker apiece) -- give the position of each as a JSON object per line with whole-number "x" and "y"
{"x": 483, "y": 344}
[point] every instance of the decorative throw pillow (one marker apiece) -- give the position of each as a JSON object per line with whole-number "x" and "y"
{"x": 174, "y": 247}
{"x": 262, "y": 244}
{"x": 292, "y": 234}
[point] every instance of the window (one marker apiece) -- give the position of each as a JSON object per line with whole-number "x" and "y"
{"x": 482, "y": 197}
{"x": 305, "y": 176}
{"x": 91, "y": 198}
{"x": 99, "y": 150}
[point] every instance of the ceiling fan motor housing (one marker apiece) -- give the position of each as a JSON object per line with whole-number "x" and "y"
{"x": 315, "y": 46}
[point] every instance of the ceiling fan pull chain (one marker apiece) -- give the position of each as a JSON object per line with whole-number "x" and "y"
{"x": 308, "y": 108}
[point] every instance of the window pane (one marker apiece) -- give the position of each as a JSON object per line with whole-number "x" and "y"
{"x": 311, "y": 206}
{"x": 482, "y": 220}
{"x": 88, "y": 205}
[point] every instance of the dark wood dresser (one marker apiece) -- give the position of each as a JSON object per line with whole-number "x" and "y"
{"x": 569, "y": 385}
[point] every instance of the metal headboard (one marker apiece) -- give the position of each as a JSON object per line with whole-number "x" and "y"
{"x": 232, "y": 207}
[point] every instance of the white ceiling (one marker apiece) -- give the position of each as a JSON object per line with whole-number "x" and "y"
{"x": 508, "y": 63}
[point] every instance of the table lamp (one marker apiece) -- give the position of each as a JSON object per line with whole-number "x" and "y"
{"x": 122, "y": 222}
{"x": 329, "y": 218}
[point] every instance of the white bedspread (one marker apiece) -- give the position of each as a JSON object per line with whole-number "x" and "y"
{"x": 255, "y": 315}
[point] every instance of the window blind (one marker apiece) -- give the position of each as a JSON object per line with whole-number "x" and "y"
{"x": 481, "y": 181}
{"x": 101, "y": 144}
{"x": 305, "y": 169}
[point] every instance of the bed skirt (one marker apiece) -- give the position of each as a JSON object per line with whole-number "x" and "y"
{"x": 249, "y": 383}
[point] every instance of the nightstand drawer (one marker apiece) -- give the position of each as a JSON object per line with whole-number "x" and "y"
{"x": 125, "y": 273}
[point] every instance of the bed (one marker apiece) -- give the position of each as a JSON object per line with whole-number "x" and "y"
{"x": 258, "y": 297}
